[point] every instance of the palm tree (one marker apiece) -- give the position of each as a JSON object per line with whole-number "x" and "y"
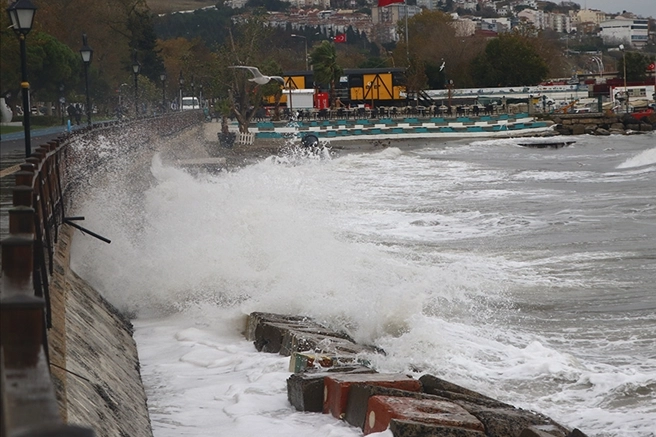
{"x": 326, "y": 69}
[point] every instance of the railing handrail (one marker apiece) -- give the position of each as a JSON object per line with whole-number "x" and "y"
{"x": 39, "y": 194}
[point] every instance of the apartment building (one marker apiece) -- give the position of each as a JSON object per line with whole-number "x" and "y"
{"x": 625, "y": 31}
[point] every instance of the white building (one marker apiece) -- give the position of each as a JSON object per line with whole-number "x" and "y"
{"x": 625, "y": 30}
{"x": 559, "y": 22}
{"x": 589, "y": 16}
{"x": 535, "y": 17}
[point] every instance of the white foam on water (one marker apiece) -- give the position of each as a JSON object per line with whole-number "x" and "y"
{"x": 646, "y": 157}
{"x": 356, "y": 243}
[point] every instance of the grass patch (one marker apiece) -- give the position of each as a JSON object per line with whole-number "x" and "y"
{"x": 10, "y": 129}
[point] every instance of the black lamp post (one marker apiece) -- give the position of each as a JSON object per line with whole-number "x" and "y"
{"x": 87, "y": 53}
{"x": 21, "y": 13}
{"x": 62, "y": 101}
{"x": 162, "y": 77}
{"x": 136, "y": 66}
{"x": 193, "y": 93}
{"x": 181, "y": 83}
{"x": 200, "y": 98}
{"x": 626, "y": 91}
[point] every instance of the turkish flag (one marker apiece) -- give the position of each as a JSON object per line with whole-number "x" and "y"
{"x": 383, "y": 3}
{"x": 340, "y": 37}
{"x": 652, "y": 66}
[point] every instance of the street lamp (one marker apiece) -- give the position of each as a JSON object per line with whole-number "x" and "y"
{"x": 162, "y": 77}
{"x": 86, "y": 52}
{"x": 21, "y": 13}
{"x": 200, "y": 97}
{"x": 626, "y": 91}
{"x": 306, "y": 53}
{"x": 193, "y": 93}
{"x": 136, "y": 67}
{"x": 181, "y": 83}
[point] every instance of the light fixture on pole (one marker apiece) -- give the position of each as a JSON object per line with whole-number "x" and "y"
{"x": 193, "y": 93}
{"x": 181, "y": 83}
{"x": 136, "y": 67}
{"x": 87, "y": 53}
{"x": 21, "y": 13}
{"x": 626, "y": 91}
{"x": 306, "y": 52}
{"x": 162, "y": 77}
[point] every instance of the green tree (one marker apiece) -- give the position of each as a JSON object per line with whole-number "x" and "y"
{"x": 247, "y": 45}
{"x": 144, "y": 41}
{"x": 326, "y": 69}
{"x": 636, "y": 65}
{"x": 509, "y": 60}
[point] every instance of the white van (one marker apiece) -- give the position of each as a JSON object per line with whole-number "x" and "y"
{"x": 190, "y": 103}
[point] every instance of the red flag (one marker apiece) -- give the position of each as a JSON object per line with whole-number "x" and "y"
{"x": 340, "y": 37}
{"x": 383, "y": 3}
{"x": 652, "y": 66}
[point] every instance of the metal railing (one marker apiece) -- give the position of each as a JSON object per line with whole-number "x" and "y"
{"x": 39, "y": 202}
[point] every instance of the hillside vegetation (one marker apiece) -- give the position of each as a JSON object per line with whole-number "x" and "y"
{"x": 167, "y": 6}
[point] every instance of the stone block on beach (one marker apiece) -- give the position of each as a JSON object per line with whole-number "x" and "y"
{"x": 410, "y": 428}
{"x": 382, "y": 409}
{"x": 305, "y": 391}
{"x": 337, "y": 388}
{"x": 358, "y": 400}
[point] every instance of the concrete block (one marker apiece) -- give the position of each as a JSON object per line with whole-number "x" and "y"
{"x": 510, "y": 422}
{"x": 576, "y": 433}
{"x": 358, "y": 400}
{"x": 305, "y": 391}
{"x": 542, "y": 431}
{"x": 578, "y": 129}
{"x": 336, "y": 388}
{"x": 256, "y": 318}
{"x": 305, "y": 361}
{"x": 409, "y": 428}
{"x": 321, "y": 341}
{"x": 448, "y": 390}
{"x": 382, "y": 409}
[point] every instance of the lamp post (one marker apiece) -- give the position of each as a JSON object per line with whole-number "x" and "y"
{"x": 21, "y": 13}
{"x": 200, "y": 96}
{"x": 135, "y": 69}
{"x": 162, "y": 77}
{"x": 306, "y": 53}
{"x": 181, "y": 83}
{"x": 86, "y": 52}
{"x": 193, "y": 93}
{"x": 62, "y": 102}
{"x": 626, "y": 91}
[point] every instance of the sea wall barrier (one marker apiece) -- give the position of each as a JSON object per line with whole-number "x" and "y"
{"x": 331, "y": 375}
{"x": 602, "y": 124}
{"x": 68, "y": 364}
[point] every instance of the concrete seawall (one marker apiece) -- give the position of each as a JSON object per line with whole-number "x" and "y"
{"x": 95, "y": 365}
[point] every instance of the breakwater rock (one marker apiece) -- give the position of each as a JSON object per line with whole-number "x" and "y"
{"x": 331, "y": 375}
{"x": 602, "y": 124}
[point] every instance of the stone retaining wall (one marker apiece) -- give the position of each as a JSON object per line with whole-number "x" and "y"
{"x": 95, "y": 366}
{"x": 601, "y": 124}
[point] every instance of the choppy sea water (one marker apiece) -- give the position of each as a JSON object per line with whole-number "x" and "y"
{"x": 525, "y": 274}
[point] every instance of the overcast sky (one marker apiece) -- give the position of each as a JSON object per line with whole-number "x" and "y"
{"x": 646, "y": 8}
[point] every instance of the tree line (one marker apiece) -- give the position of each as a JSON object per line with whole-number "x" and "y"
{"x": 195, "y": 49}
